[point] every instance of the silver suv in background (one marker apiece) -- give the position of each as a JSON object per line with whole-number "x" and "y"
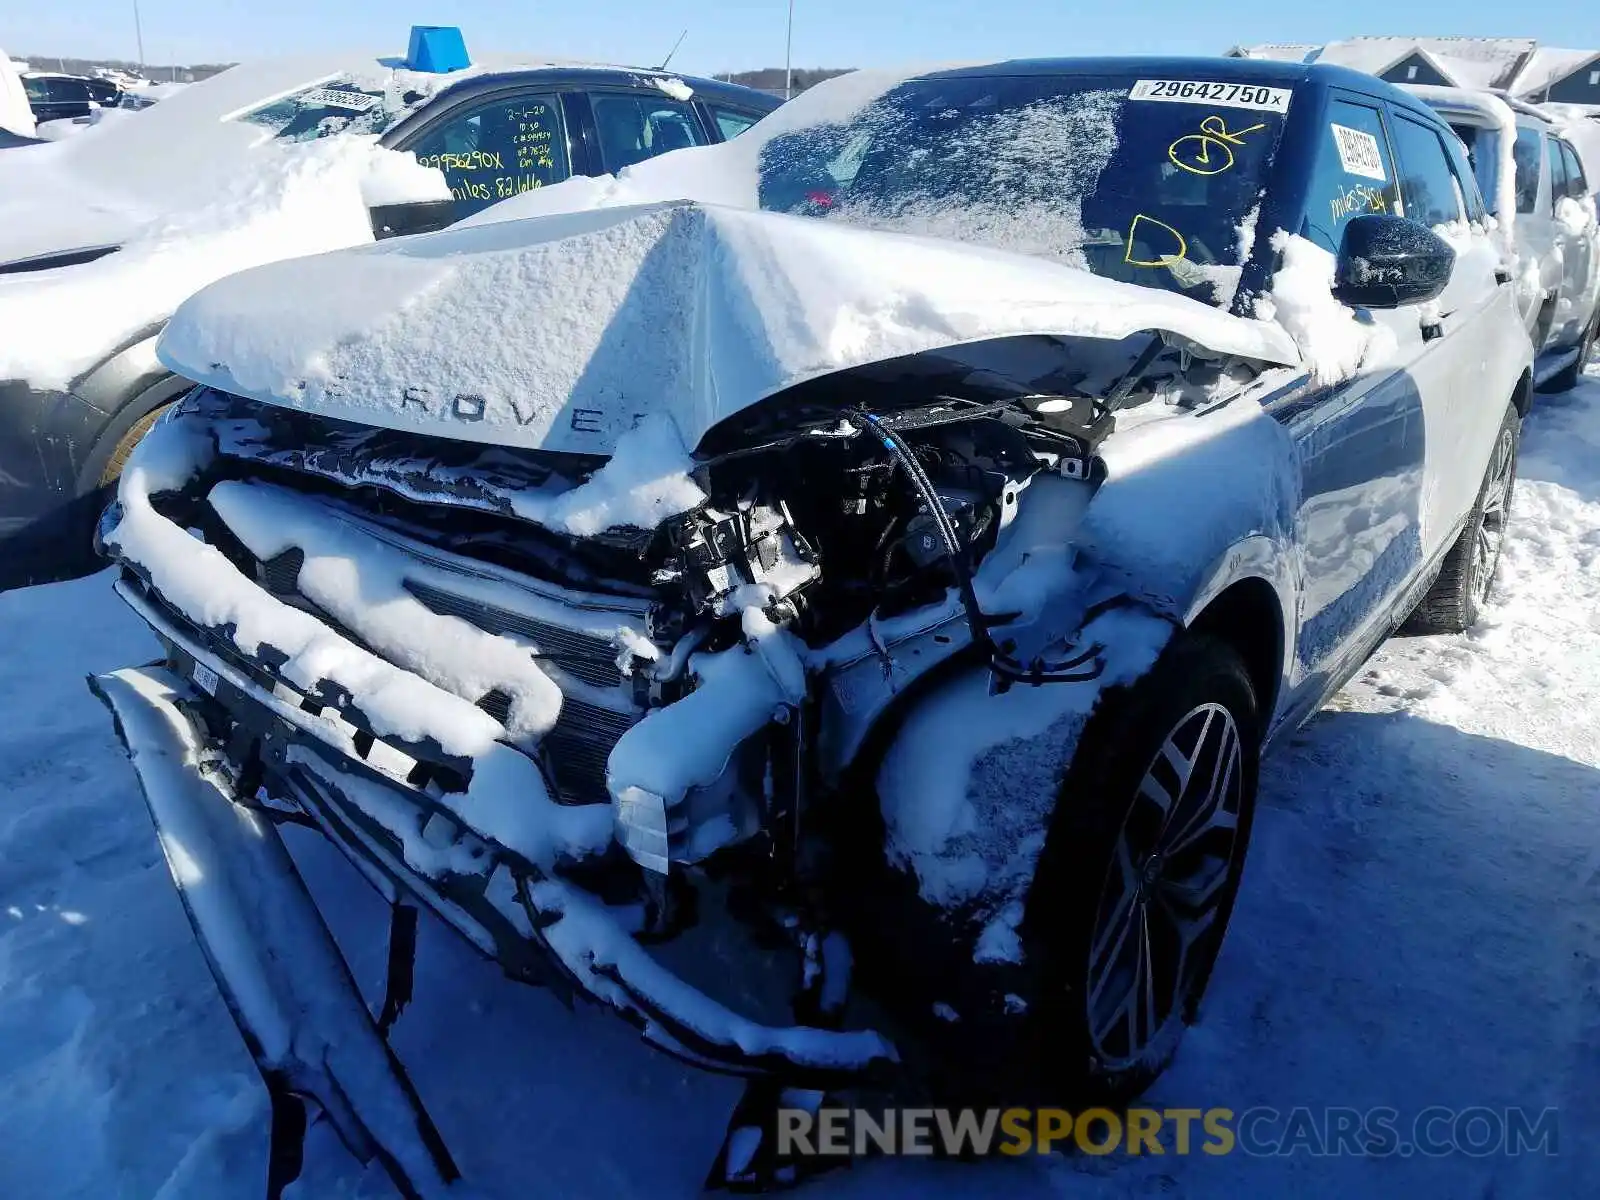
{"x": 1534, "y": 184}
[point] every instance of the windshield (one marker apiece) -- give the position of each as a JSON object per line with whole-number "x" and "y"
{"x": 1148, "y": 181}
{"x": 342, "y": 106}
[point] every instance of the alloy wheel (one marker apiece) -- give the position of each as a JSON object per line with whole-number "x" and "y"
{"x": 1157, "y": 925}
{"x": 1490, "y": 536}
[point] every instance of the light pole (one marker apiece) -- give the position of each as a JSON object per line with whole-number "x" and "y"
{"x": 138, "y": 32}
{"x": 788, "y": 56}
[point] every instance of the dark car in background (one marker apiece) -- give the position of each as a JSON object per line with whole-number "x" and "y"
{"x": 56, "y": 97}
{"x": 492, "y": 134}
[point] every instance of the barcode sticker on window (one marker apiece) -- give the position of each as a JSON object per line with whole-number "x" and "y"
{"x": 1359, "y": 153}
{"x": 1200, "y": 91}
{"x": 339, "y": 98}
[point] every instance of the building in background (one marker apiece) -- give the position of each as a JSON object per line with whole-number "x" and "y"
{"x": 1518, "y": 66}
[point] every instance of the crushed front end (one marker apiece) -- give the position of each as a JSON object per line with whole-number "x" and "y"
{"x": 586, "y": 745}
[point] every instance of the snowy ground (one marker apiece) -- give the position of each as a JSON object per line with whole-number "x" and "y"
{"x": 1420, "y": 925}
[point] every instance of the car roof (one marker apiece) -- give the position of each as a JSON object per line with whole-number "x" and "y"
{"x": 1210, "y": 69}
{"x": 586, "y": 75}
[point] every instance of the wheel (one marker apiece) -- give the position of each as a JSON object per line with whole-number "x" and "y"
{"x": 124, "y": 447}
{"x": 1566, "y": 379}
{"x": 1140, "y": 870}
{"x": 1456, "y": 599}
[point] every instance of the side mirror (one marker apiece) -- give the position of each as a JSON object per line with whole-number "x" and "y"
{"x": 418, "y": 216}
{"x": 1386, "y": 261}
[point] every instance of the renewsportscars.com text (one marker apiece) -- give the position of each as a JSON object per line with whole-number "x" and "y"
{"x": 1373, "y": 1132}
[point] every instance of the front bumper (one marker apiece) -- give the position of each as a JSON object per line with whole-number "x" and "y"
{"x": 273, "y": 958}
{"x": 540, "y": 928}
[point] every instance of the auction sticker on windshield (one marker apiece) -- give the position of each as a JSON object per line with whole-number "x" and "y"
{"x": 1229, "y": 95}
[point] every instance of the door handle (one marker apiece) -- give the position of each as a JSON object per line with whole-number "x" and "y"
{"x": 1433, "y": 326}
{"x": 1502, "y": 275}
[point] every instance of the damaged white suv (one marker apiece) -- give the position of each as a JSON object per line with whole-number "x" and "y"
{"x": 900, "y": 528}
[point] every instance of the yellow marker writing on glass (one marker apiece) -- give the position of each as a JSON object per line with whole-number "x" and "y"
{"x": 1209, "y": 152}
{"x": 1166, "y": 260}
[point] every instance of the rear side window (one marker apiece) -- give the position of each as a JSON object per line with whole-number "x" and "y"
{"x": 498, "y": 150}
{"x": 1353, "y": 174}
{"x": 1526, "y": 153}
{"x": 1432, "y": 195}
{"x": 731, "y": 122}
{"x": 1577, "y": 185}
{"x": 1466, "y": 182}
{"x": 1483, "y": 154}
{"x": 633, "y": 128}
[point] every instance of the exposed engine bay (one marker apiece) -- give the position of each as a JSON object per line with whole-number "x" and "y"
{"x": 834, "y": 511}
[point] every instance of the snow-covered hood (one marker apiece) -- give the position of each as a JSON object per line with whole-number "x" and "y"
{"x": 562, "y": 332}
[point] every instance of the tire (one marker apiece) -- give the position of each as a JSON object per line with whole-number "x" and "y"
{"x": 1567, "y": 378}
{"x": 1456, "y": 599}
{"x": 1113, "y": 863}
{"x": 123, "y": 450}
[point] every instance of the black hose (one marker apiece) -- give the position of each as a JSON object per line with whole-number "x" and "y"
{"x": 1001, "y": 663}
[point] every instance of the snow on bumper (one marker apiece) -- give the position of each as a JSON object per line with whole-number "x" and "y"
{"x": 536, "y": 926}
{"x": 271, "y": 954}
{"x": 490, "y": 870}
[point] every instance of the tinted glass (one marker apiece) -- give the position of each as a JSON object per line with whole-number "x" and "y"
{"x": 56, "y": 91}
{"x": 633, "y": 128}
{"x": 1526, "y": 154}
{"x": 498, "y": 150}
{"x": 1353, "y": 174}
{"x": 1483, "y": 153}
{"x": 1138, "y": 180}
{"x": 1577, "y": 185}
{"x": 1429, "y": 188}
{"x": 1558, "y": 170}
{"x": 1462, "y": 172}
{"x": 731, "y": 122}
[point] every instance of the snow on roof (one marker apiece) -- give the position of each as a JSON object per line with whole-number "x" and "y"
{"x": 1277, "y": 51}
{"x": 192, "y": 192}
{"x": 1549, "y": 65}
{"x": 1465, "y": 61}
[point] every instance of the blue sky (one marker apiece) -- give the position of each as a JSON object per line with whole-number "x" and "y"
{"x": 731, "y": 34}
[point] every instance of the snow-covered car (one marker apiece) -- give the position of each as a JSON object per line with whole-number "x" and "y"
{"x": 102, "y": 236}
{"x": 16, "y": 114}
{"x": 1536, "y": 190}
{"x": 895, "y": 535}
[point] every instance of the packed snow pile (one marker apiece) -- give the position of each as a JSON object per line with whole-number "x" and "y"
{"x": 16, "y": 114}
{"x": 1334, "y": 341}
{"x": 1575, "y": 216}
{"x": 561, "y": 333}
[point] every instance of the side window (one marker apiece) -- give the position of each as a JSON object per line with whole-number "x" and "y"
{"x": 1466, "y": 182}
{"x": 1353, "y": 174}
{"x": 1429, "y": 186}
{"x": 1483, "y": 152}
{"x": 1577, "y": 185}
{"x": 731, "y": 122}
{"x": 1558, "y": 171}
{"x": 634, "y": 127}
{"x": 1526, "y": 153}
{"x": 498, "y": 150}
